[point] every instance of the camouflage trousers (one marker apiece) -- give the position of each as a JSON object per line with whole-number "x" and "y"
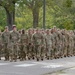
{"x": 70, "y": 50}
{"x": 14, "y": 51}
{"x": 0, "y": 51}
{"x": 23, "y": 52}
{"x": 65, "y": 50}
{"x": 39, "y": 52}
{"x": 6, "y": 51}
{"x": 74, "y": 49}
{"x": 31, "y": 53}
{"x": 49, "y": 51}
{"x": 59, "y": 52}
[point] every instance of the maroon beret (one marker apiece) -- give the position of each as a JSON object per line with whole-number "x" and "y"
{"x": 14, "y": 26}
{"x": 6, "y": 27}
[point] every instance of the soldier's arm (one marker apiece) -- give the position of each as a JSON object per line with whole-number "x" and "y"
{"x": 27, "y": 38}
{"x": 18, "y": 36}
{"x": 10, "y": 36}
{"x": 32, "y": 39}
{"x": 53, "y": 41}
{"x": 3, "y": 37}
{"x": 46, "y": 42}
{"x": 42, "y": 40}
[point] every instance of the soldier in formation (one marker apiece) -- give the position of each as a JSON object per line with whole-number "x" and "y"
{"x": 1, "y": 45}
{"x": 36, "y": 44}
{"x": 6, "y": 42}
{"x": 23, "y": 45}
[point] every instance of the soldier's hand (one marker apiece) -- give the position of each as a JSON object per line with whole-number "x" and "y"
{"x": 42, "y": 46}
{"x": 17, "y": 43}
{"x": 32, "y": 44}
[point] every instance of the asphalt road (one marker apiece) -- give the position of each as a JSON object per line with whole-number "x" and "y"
{"x": 35, "y": 68}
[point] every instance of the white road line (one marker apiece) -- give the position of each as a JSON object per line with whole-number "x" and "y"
{"x": 49, "y": 65}
{"x": 3, "y": 64}
{"x": 24, "y": 65}
{"x": 72, "y": 68}
{"x": 52, "y": 66}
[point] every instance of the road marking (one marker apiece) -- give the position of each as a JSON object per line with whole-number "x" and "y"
{"x": 24, "y": 65}
{"x": 49, "y": 65}
{"x": 3, "y": 64}
{"x": 42, "y": 64}
{"x": 52, "y": 66}
{"x": 72, "y": 68}
{"x": 60, "y": 74}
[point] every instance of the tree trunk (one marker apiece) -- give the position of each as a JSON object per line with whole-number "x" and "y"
{"x": 10, "y": 20}
{"x": 35, "y": 17}
{"x": 10, "y": 17}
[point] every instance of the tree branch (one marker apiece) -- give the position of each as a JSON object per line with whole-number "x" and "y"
{"x": 0, "y": 2}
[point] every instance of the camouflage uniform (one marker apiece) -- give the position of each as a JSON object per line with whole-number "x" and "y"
{"x": 6, "y": 42}
{"x": 74, "y": 43}
{"x": 57, "y": 39}
{"x": 49, "y": 45}
{"x": 64, "y": 43}
{"x": 14, "y": 36}
{"x": 43, "y": 48}
{"x": 24, "y": 45}
{"x": 59, "y": 46}
{"x": 67, "y": 43}
{"x": 0, "y": 44}
{"x": 38, "y": 43}
{"x": 30, "y": 46}
{"x": 71, "y": 44}
{"x": 55, "y": 44}
{"x": 19, "y": 44}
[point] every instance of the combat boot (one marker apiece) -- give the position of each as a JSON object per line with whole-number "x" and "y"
{"x": 37, "y": 59}
{"x": 47, "y": 57}
{"x": 0, "y": 58}
{"x": 42, "y": 59}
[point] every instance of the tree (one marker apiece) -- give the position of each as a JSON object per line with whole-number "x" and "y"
{"x": 23, "y": 19}
{"x": 2, "y": 18}
{"x": 55, "y": 11}
{"x": 34, "y": 6}
{"x": 9, "y": 6}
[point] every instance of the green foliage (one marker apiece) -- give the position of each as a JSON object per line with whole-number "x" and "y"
{"x": 9, "y": 4}
{"x": 2, "y": 18}
{"x": 23, "y": 18}
{"x": 68, "y": 3}
{"x": 58, "y": 12}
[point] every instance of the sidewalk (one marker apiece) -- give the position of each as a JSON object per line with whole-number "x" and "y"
{"x": 70, "y": 71}
{"x": 69, "y": 68}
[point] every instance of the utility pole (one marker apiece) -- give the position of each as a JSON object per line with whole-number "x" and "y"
{"x": 44, "y": 14}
